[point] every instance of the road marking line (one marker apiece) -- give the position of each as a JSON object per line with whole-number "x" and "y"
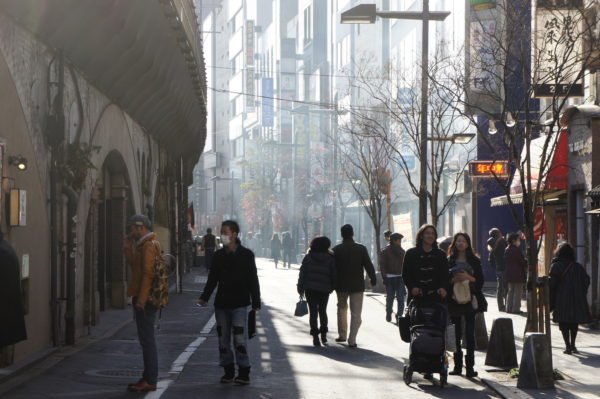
{"x": 179, "y": 363}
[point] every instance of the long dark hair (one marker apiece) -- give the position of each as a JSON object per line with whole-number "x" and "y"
{"x": 420, "y": 233}
{"x": 453, "y": 251}
{"x": 565, "y": 251}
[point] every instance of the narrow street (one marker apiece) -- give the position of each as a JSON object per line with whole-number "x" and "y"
{"x": 284, "y": 362}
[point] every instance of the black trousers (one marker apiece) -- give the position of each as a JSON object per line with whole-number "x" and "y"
{"x": 317, "y": 308}
{"x": 470, "y": 338}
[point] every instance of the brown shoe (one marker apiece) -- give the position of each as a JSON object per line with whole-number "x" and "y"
{"x": 142, "y": 386}
{"x": 134, "y": 383}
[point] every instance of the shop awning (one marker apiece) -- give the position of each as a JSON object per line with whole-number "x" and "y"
{"x": 555, "y": 170}
{"x": 518, "y": 198}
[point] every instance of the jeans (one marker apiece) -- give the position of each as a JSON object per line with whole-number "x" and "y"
{"x": 500, "y": 290}
{"x": 356, "y": 302}
{"x": 144, "y": 320}
{"x": 232, "y": 322}
{"x": 394, "y": 288}
{"x": 513, "y": 299}
{"x": 317, "y": 307}
{"x": 470, "y": 338}
{"x": 208, "y": 255}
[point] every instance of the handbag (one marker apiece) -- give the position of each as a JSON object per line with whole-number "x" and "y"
{"x": 404, "y": 327}
{"x": 301, "y": 307}
{"x": 251, "y": 324}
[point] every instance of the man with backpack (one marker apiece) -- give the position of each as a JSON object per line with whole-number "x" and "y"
{"x": 142, "y": 251}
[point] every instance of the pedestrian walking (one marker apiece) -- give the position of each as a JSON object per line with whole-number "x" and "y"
{"x": 12, "y": 313}
{"x": 209, "y": 243}
{"x": 351, "y": 261}
{"x": 465, "y": 266}
{"x": 569, "y": 283}
{"x": 425, "y": 269}
{"x": 515, "y": 274}
{"x": 234, "y": 273}
{"x": 386, "y": 236}
{"x": 390, "y": 265}
{"x": 496, "y": 245}
{"x": 275, "y": 248}
{"x": 142, "y": 250}
{"x": 316, "y": 281}
{"x": 288, "y": 249}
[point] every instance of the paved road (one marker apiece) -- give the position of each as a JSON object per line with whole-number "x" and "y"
{"x": 284, "y": 362}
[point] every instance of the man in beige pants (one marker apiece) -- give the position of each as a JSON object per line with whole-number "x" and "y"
{"x": 351, "y": 261}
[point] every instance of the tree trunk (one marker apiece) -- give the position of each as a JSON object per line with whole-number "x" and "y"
{"x": 532, "y": 295}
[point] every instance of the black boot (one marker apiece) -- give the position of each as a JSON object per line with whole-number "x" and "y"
{"x": 470, "y": 362}
{"x": 324, "y": 338}
{"x": 243, "y": 377}
{"x": 458, "y": 363}
{"x": 316, "y": 341}
{"x": 229, "y": 374}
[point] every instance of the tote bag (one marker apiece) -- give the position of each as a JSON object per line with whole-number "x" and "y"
{"x": 301, "y": 307}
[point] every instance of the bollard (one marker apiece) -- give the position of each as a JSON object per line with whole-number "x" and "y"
{"x": 501, "y": 351}
{"x": 481, "y": 336}
{"x": 536, "y": 363}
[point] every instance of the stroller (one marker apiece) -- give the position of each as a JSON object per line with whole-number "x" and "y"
{"x": 428, "y": 321}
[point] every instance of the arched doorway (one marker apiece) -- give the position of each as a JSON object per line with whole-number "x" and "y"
{"x": 106, "y": 274}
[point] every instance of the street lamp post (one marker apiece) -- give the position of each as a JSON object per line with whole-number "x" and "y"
{"x": 232, "y": 178}
{"x": 367, "y": 14}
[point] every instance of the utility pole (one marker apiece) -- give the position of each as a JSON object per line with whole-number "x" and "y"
{"x": 424, "y": 112}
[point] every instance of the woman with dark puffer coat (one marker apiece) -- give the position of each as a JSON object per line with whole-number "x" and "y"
{"x": 316, "y": 281}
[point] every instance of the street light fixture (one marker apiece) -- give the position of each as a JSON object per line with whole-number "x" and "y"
{"x": 367, "y": 14}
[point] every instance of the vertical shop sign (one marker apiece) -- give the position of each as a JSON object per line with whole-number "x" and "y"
{"x": 249, "y": 56}
{"x": 267, "y": 102}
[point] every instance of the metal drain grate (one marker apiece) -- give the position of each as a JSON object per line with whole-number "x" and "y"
{"x": 116, "y": 373}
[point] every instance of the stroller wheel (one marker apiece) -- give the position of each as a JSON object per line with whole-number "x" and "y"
{"x": 443, "y": 379}
{"x": 407, "y": 375}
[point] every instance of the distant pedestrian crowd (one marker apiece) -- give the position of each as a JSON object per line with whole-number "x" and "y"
{"x": 436, "y": 287}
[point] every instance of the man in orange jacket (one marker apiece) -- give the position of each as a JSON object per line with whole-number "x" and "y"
{"x": 142, "y": 251}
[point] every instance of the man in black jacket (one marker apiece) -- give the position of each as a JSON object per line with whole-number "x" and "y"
{"x": 234, "y": 270}
{"x": 351, "y": 260}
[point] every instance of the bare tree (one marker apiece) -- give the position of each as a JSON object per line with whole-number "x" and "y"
{"x": 367, "y": 168}
{"x": 503, "y": 75}
{"x": 393, "y": 94}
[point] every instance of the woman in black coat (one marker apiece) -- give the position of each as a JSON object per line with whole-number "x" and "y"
{"x": 465, "y": 266}
{"x": 275, "y": 248}
{"x": 425, "y": 268}
{"x": 569, "y": 284}
{"x": 12, "y": 315}
{"x": 316, "y": 281}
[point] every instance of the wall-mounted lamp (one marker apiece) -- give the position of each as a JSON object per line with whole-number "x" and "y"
{"x": 492, "y": 127}
{"x": 19, "y": 161}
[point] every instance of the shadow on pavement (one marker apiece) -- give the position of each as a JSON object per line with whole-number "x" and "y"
{"x": 271, "y": 373}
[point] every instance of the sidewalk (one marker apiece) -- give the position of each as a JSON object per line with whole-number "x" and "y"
{"x": 580, "y": 371}
{"x": 106, "y": 359}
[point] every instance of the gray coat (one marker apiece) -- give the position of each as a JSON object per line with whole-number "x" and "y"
{"x": 569, "y": 284}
